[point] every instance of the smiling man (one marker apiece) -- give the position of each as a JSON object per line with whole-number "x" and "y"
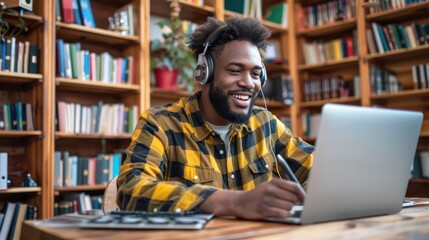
{"x": 215, "y": 151}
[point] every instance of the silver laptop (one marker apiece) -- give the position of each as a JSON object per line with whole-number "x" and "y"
{"x": 362, "y": 163}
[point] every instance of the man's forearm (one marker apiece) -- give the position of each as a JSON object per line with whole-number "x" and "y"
{"x": 221, "y": 203}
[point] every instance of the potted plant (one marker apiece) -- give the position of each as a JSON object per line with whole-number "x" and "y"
{"x": 171, "y": 57}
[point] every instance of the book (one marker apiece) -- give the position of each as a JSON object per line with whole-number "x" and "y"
{"x": 76, "y": 12}
{"x": 7, "y": 221}
{"x": 86, "y": 11}
{"x": 277, "y": 14}
{"x": 238, "y": 6}
{"x": 33, "y": 64}
{"x": 19, "y": 216}
{"x": 67, "y": 10}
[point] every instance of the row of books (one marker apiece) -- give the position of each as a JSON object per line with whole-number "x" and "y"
{"x": 110, "y": 119}
{"x": 71, "y": 170}
{"x": 383, "y": 81}
{"x": 74, "y": 62}
{"x": 124, "y": 20}
{"x": 75, "y": 11}
{"x": 279, "y": 89}
{"x": 386, "y": 38}
{"x": 330, "y": 87}
{"x": 392, "y": 4}
{"x": 11, "y": 219}
{"x": 18, "y": 56}
{"x": 310, "y": 124}
{"x": 420, "y": 75}
{"x": 16, "y": 116}
{"x": 277, "y": 13}
{"x": 316, "y": 52}
{"x": 77, "y": 203}
{"x": 326, "y": 13}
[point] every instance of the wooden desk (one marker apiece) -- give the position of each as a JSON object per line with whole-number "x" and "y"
{"x": 410, "y": 223}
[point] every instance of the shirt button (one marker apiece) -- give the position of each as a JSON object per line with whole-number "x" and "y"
{"x": 195, "y": 177}
{"x": 155, "y": 209}
{"x": 232, "y": 176}
{"x": 178, "y": 210}
{"x": 221, "y": 152}
{"x": 266, "y": 165}
{"x": 213, "y": 133}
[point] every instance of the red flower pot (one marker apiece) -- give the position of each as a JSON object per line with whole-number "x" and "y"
{"x": 165, "y": 78}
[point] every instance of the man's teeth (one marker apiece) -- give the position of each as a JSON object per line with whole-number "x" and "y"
{"x": 241, "y": 97}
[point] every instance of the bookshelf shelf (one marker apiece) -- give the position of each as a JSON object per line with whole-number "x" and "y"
{"x": 400, "y": 54}
{"x": 347, "y": 100}
{"x": 96, "y": 87}
{"x": 189, "y": 11}
{"x": 18, "y": 190}
{"x": 68, "y": 31}
{"x": 32, "y": 21}
{"x": 19, "y": 78}
{"x": 415, "y": 9}
{"x": 329, "y": 29}
{"x": 19, "y": 134}
{"x": 413, "y": 93}
{"x": 99, "y": 187}
{"x": 330, "y": 65}
{"x": 67, "y": 135}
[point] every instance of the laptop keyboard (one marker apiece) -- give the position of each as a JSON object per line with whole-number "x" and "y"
{"x": 149, "y": 220}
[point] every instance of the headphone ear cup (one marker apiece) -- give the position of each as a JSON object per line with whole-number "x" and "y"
{"x": 210, "y": 68}
{"x": 263, "y": 76}
{"x": 201, "y": 70}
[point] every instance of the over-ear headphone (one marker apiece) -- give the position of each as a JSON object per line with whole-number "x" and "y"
{"x": 205, "y": 65}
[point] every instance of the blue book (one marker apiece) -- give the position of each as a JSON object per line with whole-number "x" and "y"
{"x": 3, "y": 54}
{"x": 116, "y": 164}
{"x": 18, "y": 116}
{"x": 124, "y": 77}
{"x": 86, "y": 11}
{"x": 61, "y": 66}
{"x": 76, "y": 12}
{"x": 86, "y": 64}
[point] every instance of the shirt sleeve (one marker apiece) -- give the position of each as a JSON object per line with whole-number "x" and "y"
{"x": 298, "y": 153}
{"x": 141, "y": 182}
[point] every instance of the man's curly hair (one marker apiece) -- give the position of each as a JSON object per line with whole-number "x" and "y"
{"x": 238, "y": 28}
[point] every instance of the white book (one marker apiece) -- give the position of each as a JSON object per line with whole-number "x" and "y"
{"x": 7, "y": 221}
{"x": 13, "y": 55}
{"x": 26, "y": 55}
{"x": 377, "y": 38}
{"x": 20, "y": 59}
{"x": 77, "y": 118}
{"x": 67, "y": 60}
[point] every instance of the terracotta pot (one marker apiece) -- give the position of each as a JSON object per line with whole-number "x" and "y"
{"x": 165, "y": 78}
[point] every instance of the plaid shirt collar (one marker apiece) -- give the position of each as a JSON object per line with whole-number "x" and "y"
{"x": 201, "y": 129}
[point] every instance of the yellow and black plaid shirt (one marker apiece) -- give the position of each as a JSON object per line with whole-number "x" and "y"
{"x": 175, "y": 160}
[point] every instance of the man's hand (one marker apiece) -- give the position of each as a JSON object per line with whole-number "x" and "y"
{"x": 269, "y": 199}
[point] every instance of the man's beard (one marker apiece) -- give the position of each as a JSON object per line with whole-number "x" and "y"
{"x": 220, "y": 102}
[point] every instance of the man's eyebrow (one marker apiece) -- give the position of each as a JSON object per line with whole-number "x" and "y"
{"x": 239, "y": 64}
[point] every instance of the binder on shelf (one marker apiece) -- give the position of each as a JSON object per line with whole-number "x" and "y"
{"x": 3, "y": 170}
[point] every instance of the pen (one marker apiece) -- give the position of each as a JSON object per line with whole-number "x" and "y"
{"x": 289, "y": 172}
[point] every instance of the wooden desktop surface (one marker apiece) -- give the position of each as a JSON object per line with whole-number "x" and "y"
{"x": 410, "y": 223}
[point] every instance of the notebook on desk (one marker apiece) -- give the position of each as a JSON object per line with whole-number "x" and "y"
{"x": 362, "y": 163}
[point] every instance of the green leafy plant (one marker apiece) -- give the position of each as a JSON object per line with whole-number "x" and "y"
{"x": 7, "y": 29}
{"x": 172, "y": 52}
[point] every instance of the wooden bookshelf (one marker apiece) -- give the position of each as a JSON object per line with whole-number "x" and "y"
{"x": 43, "y": 89}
